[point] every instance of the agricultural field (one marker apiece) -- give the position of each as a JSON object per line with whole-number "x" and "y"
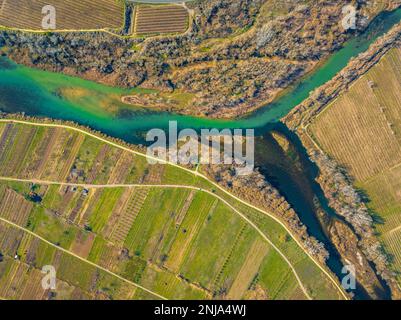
{"x": 362, "y": 131}
{"x": 70, "y": 14}
{"x": 153, "y": 225}
{"x": 159, "y": 19}
{"x": 165, "y": 245}
{"x": 21, "y": 261}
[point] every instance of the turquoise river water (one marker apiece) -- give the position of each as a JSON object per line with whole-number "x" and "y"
{"x": 45, "y": 94}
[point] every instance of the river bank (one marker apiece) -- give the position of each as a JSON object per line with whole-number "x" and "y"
{"x": 334, "y": 181}
{"x": 37, "y": 93}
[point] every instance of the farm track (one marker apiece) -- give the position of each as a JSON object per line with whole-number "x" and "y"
{"x": 201, "y": 176}
{"x": 361, "y": 131}
{"x": 172, "y": 186}
{"x": 78, "y": 257}
{"x": 393, "y": 230}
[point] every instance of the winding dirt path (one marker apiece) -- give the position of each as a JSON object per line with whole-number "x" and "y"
{"x": 200, "y": 175}
{"x": 80, "y": 258}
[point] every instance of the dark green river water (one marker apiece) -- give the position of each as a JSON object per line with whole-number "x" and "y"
{"x": 44, "y": 94}
{"x": 36, "y": 93}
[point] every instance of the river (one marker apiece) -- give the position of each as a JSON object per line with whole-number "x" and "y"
{"x": 45, "y": 94}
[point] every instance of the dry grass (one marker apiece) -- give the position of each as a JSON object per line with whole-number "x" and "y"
{"x": 384, "y": 191}
{"x": 70, "y": 14}
{"x": 14, "y": 207}
{"x": 362, "y": 131}
{"x": 248, "y": 270}
{"x": 158, "y": 19}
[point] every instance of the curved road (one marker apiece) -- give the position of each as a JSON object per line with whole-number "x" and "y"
{"x": 200, "y": 175}
{"x": 90, "y": 186}
{"x": 80, "y": 258}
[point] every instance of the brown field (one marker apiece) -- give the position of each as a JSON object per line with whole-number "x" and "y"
{"x": 362, "y": 131}
{"x": 248, "y": 270}
{"x": 14, "y": 207}
{"x": 156, "y": 19}
{"x": 70, "y": 14}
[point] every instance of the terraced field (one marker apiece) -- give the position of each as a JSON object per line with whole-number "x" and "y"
{"x": 70, "y": 14}
{"x": 155, "y": 226}
{"x": 362, "y": 130}
{"x": 159, "y": 19}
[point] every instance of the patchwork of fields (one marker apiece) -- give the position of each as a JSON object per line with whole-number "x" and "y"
{"x": 23, "y": 256}
{"x": 70, "y": 14}
{"x": 362, "y": 130}
{"x": 152, "y": 229}
{"x": 158, "y": 19}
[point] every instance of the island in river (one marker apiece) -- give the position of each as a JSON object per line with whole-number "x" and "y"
{"x": 99, "y": 107}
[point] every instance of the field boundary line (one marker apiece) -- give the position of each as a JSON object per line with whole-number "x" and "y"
{"x": 41, "y": 31}
{"x": 170, "y": 186}
{"x": 61, "y": 31}
{"x": 80, "y": 258}
{"x": 390, "y": 232}
{"x": 133, "y": 34}
{"x": 333, "y": 101}
{"x": 386, "y": 170}
{"x": 196, "y": 173}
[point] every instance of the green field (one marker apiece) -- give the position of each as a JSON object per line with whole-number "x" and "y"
{"x": 179, "y": 242}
